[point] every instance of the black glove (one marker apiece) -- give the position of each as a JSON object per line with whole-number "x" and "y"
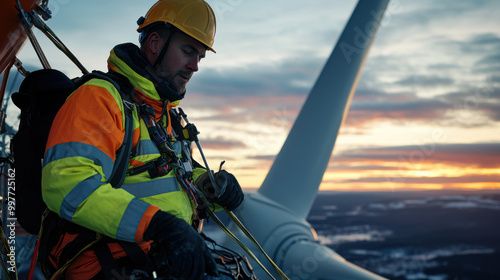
{"x": 228, "y": 193}
{"x": 177, "y": 249}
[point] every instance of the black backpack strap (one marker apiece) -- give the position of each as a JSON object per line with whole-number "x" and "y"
{"x": 136, "y": 255}
{"x": 108, "y": 264}
{"x": 121, "y": 161}
{"x": 126, "y": 89}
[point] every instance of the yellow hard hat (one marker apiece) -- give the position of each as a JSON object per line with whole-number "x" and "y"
{"x": 193, "y": 17}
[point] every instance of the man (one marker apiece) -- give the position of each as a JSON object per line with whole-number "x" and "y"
{"x": 156, "y": 206}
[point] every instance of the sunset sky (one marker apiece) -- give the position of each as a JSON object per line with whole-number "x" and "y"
{"x": 425, "y": 115}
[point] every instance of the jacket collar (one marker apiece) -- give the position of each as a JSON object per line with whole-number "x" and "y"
{"x": 128, "y": 60}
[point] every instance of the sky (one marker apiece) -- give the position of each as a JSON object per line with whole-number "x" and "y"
{"x": 425, "y": 115}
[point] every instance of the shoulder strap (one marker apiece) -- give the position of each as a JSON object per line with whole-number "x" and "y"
{"x": 125, "y": 89}
{"x": 121, "y": 162}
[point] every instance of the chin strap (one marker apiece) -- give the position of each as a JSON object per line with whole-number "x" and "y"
{"x": 163, "y": 51}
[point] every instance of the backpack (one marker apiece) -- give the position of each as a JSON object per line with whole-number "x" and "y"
{"x": 40, "y": 96}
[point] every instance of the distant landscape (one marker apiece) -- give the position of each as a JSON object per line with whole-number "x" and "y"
{"x": 435, "y": 235}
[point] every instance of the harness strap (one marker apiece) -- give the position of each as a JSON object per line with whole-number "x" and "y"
{"x": 74, "y": 246}
{"x": 106, "y": 260}
{"x": 143, "y": 168}
{"x": 136, "y": 255}
{"x": 176, "y": 124}
{"x": 120, "y": 169}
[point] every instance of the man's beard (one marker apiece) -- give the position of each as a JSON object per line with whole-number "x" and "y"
{"x": 170, "y": 79}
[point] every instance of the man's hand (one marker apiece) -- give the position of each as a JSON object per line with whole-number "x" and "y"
{"x": 177, "y": 249}
{"x": 227, "y": 193}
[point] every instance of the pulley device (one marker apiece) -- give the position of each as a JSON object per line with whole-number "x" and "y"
{"x": 191, "y": 133}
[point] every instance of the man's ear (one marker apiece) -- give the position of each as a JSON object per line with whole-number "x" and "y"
{"x": 153, "y": 42}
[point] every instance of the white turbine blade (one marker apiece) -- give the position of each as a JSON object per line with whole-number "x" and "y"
{"x": 295, "y": 175}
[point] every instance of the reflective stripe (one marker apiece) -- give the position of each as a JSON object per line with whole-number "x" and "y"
{"x": 131, "y": 219}
{"x": 152, "y": 188}
{"x": 79, "y": 194}
{"x": 146, "y": 147}
{"x": 76, "y": 149}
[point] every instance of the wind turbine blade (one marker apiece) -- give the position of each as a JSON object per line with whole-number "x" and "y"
{"x": 296, "y": 174}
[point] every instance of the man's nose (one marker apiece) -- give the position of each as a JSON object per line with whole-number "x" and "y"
{"x": 193, "y": 64}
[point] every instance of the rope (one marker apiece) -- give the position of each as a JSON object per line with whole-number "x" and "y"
{"x": 249, "y": 235}
{"x": 228, "y": 232}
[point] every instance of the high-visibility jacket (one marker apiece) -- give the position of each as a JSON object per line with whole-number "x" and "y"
{"x": 84, "y": 138}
